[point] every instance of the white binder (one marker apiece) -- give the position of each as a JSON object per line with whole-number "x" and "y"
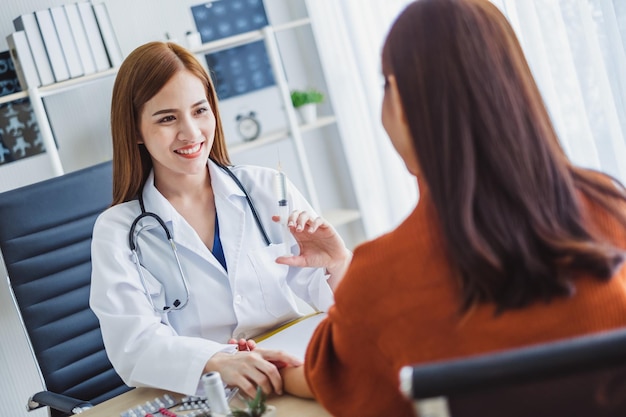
{"x": 28, "y": 24}
{"x": 80, "y": 37}
{"x": 108, "y": 34}
{"x": 93, "y": 36}
{"x": 66, "y": 39}
{"x": 23, "y": 60}
{"x": 52, "y": 44}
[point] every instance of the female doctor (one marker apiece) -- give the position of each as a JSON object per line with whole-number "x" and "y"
{"x": 170, "y": 312}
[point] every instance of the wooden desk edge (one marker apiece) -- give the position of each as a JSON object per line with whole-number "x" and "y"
{"x": 286, "y": 405}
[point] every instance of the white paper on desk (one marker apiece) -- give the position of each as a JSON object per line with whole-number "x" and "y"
{"x": 295, "y": 338}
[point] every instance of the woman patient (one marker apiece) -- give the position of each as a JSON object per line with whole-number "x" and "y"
{"x": 510, "y": 243}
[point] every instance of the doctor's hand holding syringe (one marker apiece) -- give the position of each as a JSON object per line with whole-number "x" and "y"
{"x": 319, "y": 244}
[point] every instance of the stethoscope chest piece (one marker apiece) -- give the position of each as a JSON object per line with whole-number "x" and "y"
{"x": 164, "y": 282}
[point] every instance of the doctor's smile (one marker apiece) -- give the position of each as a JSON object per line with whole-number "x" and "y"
{"x": 191, "y": 151}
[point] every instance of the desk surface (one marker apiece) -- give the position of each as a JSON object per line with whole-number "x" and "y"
{"x": 286, "y": 405}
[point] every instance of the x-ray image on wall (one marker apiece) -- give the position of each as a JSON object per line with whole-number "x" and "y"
{"x": 240, "y": 70}
{"x": 19, "y": 131}
{"x": 218, "y": 19}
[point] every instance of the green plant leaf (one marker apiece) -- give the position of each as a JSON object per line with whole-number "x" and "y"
{"x": 301, "y": 97}
{"x": 255, "y": 406}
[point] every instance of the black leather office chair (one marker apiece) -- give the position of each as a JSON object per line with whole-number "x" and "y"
{"x": 584, "y": 376}
{"x": 45, "y": 236}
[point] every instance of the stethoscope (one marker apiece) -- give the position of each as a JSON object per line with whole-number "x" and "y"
{"x": 177, "y": 304}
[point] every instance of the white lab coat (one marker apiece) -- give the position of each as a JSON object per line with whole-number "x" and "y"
{"x": 169, "y": 351}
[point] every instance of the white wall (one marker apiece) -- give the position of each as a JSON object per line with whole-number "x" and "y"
{"x": 80, "y": 121}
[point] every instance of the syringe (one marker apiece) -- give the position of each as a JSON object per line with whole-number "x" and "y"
{"x": 283, "y": 208}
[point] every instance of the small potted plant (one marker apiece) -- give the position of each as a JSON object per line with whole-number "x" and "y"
{"x": 306, "y": 101}
{"x": 256, "y": 407}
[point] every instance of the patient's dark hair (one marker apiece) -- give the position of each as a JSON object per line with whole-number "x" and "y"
{"x": 507, "y": 197}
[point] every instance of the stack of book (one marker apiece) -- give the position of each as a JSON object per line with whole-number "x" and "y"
{"x": 63, "y": 42}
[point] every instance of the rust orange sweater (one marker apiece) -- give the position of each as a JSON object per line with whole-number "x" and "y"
{"x": 398, "y": 305}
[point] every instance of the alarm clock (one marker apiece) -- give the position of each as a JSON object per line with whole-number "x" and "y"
{"x": 248, "y": 126}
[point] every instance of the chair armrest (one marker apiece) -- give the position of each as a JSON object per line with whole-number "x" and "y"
{"x": 60, "y": 402}
{"x": 543, "y": 361}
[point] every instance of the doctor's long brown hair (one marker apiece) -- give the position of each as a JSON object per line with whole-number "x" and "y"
{"x": 140, "y": 77}
{"x": 504, "y": 191}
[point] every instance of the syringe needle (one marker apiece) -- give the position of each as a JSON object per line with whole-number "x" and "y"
{"x": 283, "y": 208}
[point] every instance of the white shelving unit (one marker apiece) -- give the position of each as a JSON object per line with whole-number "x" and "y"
{"x": 279, "y": 135}
{"x": 294, "y": 130}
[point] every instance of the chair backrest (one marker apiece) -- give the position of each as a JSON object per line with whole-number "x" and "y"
{"x": 583, "y": 376}
{"x": 45, "y": 239}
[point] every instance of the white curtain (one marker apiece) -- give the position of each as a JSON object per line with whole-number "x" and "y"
{"x": 349, "y": 36}
{"x": 575, "y": 49}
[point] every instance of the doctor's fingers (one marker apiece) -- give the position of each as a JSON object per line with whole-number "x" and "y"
{"x": 303, "y": 220}
{"x": 292, "y": 260}
{"x": 243, "y": 344}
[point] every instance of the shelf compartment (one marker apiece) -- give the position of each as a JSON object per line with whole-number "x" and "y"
{"x": 263, "y": 140}
{"x": 72, "y": 83}
{"x": 278, "y": 135}
{"x": 320, "y": 122}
